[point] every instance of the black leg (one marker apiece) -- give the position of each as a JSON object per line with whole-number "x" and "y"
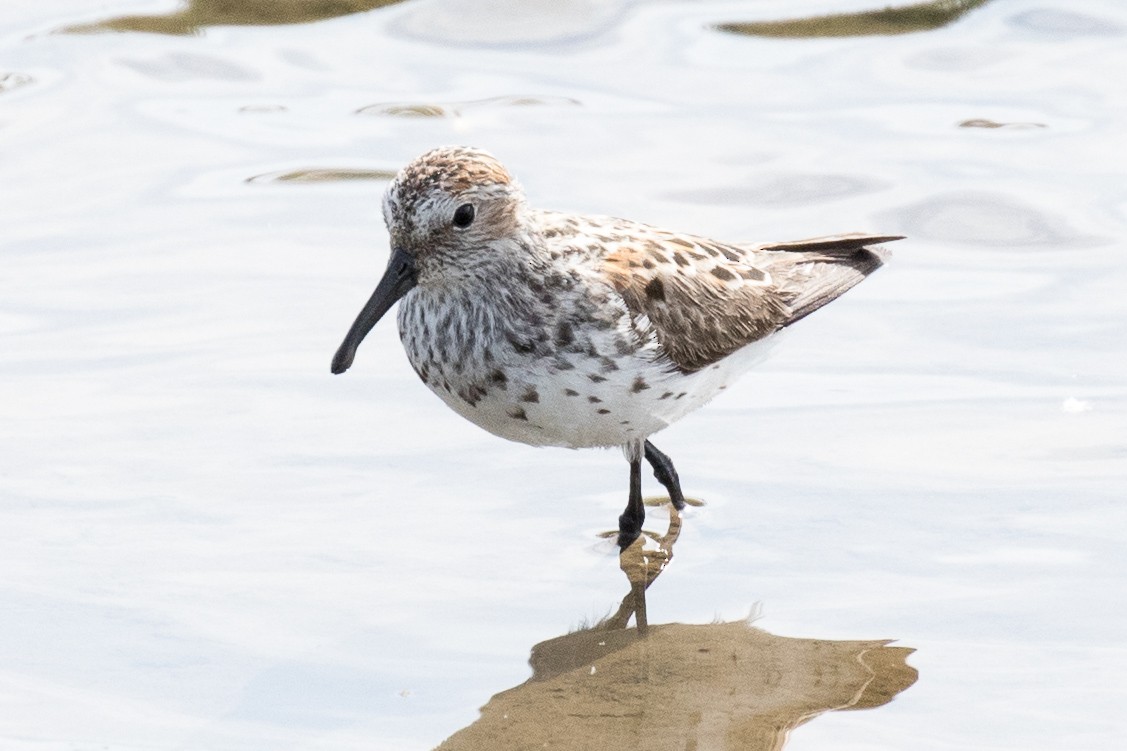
{"x": 630, "y": 523}
{"x": 665, "y": 474}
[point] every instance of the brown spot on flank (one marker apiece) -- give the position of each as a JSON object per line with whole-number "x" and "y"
{"x": 530, "y": 395}
{"x": 498, "y": 378}
{"x": 594, "y": 400}
{"x": 603, "y": 411}
{"x": 680, "y": 259}
{"x": 655, "y": 290}
{"x": 666, "y": 395}
{"x": 639, "y": 385}
{"x": 722, "y": 273}
{"x": 571, "y": 392}
{"x": 595, "y": 378}
{"x": 518, "y": 414}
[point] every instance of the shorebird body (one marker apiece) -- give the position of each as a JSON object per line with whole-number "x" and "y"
{"x": 554, "y": 329}
{"x": 554, "y": 356}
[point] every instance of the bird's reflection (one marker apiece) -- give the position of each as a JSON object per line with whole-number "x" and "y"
{"x": 679, "y": 686}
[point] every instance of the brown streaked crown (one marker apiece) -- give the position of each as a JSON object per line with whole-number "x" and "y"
{"x": 450, "y": 169}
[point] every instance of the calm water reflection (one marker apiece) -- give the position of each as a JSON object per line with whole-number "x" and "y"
{"x": 677, "y": 686}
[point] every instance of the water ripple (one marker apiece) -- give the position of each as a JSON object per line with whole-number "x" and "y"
{"x": 982, "y": 122}
{"x": 321, "y": 175}
{"x": 1063, "y": 23}
{"x": 10, "y": 81}
{"x": 456, "y": 109}
{"x": 203, "y": 13}
{"x": 982, "y": 218}
{"x": 887, "y": 21}
{"x": 784, "y": 190}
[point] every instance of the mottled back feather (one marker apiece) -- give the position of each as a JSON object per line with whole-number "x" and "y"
{"x": 705, "y": 300}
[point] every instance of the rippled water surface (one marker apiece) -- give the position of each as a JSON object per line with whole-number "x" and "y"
{"x": 209, "y": 542}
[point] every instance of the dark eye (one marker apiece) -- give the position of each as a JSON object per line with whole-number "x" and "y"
{"x": 463, "y": 216}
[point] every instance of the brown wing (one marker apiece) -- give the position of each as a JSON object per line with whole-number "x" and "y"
{"x": 705, "y": 300}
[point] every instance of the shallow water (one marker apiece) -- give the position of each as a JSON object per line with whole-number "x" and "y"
{"x": 208, "y": 541}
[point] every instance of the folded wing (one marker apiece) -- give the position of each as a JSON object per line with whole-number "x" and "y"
{"x": 705, "y": 300}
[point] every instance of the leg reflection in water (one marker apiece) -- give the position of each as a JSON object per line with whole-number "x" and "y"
{"x": 642, "y": 562}
{"x": 674, "y": 686}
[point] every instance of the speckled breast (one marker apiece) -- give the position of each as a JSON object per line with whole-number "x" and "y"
{"x": 594, "y": 385}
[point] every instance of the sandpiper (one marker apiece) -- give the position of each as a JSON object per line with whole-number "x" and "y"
{"x": 555, "y": 329}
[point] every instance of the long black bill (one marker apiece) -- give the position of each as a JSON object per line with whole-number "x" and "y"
{"x": 397, "y": 281}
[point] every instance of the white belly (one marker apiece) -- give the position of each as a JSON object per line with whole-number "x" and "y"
{"x": 567, "y": 408}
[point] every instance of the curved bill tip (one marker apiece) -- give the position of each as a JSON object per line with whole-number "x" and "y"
{"x": 396, "y": 282}
{"x": 342, "y": 360}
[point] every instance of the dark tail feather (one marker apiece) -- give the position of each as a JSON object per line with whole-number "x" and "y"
{"x": 834, "y": 245}
{"x": 824, "y": 268}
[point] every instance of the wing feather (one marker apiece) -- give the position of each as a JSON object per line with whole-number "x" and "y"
{"x": 705, "y": 300}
